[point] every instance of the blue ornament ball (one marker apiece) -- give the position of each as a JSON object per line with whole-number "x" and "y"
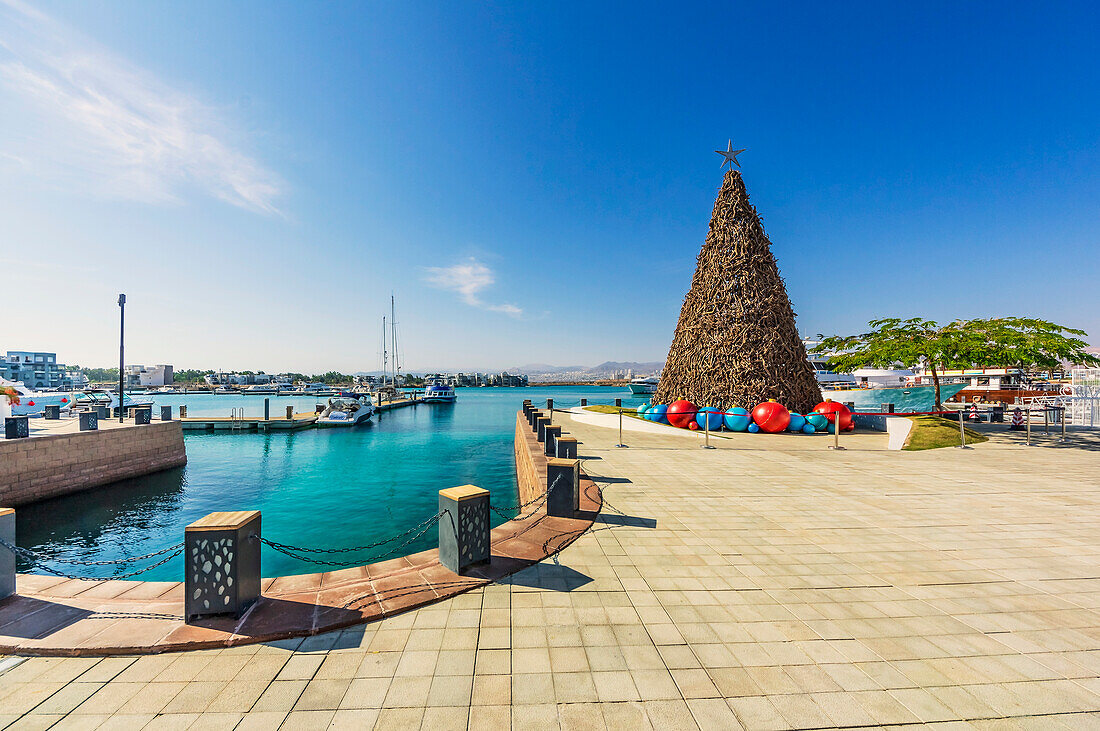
{"x": 709, "y": 418}
{"x": 642, "y": 409}
{"x": 808, "y": 428}
{"x": 656, "y": 413}
{"x": 797, "y": 422}
{"x": 737, "y": 419}
{"x": 818, "y": 421}
{"x": 753, "y": 428}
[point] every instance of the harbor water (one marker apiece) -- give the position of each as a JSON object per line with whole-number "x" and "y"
{"x": 316, "y": 488}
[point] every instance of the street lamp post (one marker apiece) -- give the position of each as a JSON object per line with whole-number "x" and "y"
{"x": 121, "y": 353}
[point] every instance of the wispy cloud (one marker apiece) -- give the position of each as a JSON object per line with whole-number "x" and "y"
{"x": 77, "y": 116}
{"x": 468, "y": 280}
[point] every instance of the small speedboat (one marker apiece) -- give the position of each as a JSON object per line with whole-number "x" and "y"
{"x": 343, "y": 411}
{"x": 104, "y": 397}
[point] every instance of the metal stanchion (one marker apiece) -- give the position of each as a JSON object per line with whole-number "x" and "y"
{"x": 550, "y": 409}
{"x": 962, "y": 432}
{"x": 619, "y": 406}
{"x": 1029, "y": 426}
{"x": 836, "y": 432}
{"x": 1063, "y": 437}
{"x": 706, "y": 429}
{"x": 1046, "y": 420}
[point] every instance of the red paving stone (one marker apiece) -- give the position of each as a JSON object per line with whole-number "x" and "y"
{"x": 55, "y": 616}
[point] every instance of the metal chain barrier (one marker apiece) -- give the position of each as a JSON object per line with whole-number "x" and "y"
{"x": 40, "y": 561}
{"x": 301, "y": 553}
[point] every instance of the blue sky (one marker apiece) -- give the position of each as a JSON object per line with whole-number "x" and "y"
{"x": 532, "y": 180}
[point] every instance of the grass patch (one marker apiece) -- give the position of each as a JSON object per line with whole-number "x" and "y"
{"x": 934, "y": 432}
{"x": 604, "y": 409}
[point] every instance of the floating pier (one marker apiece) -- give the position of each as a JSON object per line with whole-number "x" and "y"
{"x": 238, "y": 423}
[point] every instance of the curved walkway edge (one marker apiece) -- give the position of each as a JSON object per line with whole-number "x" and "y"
{"x": 68, "y": 617}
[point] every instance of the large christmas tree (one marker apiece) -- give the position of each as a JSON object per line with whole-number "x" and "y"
{"x": 736, "y": 343}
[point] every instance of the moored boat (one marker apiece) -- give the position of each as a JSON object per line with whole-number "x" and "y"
{"x": 343, "y": 411}
{"x": 643, "y": 385}
{"x": 437, "y": 392}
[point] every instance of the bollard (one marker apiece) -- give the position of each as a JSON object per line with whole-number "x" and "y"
{"x": 290, "y": 413}
{"x": 962, "y": 432}
{"x": 17, "y": 427}
{"x": 553, "y": 431}
{"x": 533, "y": 419}
{"x": 183, "y": 411}
{"x": 222, "y": 564}
{"x": 165, "y": 413}
{"x": 550, "y": 409}
{"x": 267, "y": 409}
{"x": 104, "y": 412}
{"x": 584, "y": 402}
{"x": 566, "y": 447}
{"x": 463, "y": 527}
{"x": 89, "y": 421}
{"x": 619, "y": 406}
{"x": 52, "y": 412}
{"x": 540, "y": 429}
{"x": 562, "y": 487}
{"x": 527, "y": 408}
{"x": 144, "y": 415}
{"x": 7, "y": 558}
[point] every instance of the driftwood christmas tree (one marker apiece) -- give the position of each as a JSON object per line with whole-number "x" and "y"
{"x": 736, "y": 343}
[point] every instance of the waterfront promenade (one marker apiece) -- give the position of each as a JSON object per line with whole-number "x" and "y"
{"x": 769, "y": 583}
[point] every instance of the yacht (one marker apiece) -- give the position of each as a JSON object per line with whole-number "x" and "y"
{"x": 643, "y": 385}
{"x": 437, "y": 392}
{"x": 35, "y": 402}
{"x": 262, "y": 389}
{"x": 317, "y": 389}
{"x": 105, "y": 397}
{"x": 342, "y": 411}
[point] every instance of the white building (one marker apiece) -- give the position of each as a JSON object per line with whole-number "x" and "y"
{"x": 158, "y": 375}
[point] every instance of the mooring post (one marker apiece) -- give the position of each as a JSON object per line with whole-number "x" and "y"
{"x": 619, "y": 406}
{"x": 7, "y": 558}
{"x": 222, "y": 564}
{"x": 165, "y": 413}
{"x": 183, "y": 411}
{"x": 553, "y": 431}
{"x": 290, "y": 413}
{"x": 584, "y": 402}
{"x": 267, "y": 409}
{"x": 566, "y": 447}
{"x": 463, "y": 527}
{"x": 550, "y": 409}
{"x": 541, "y": 423}
{"x": 562, "y": 487}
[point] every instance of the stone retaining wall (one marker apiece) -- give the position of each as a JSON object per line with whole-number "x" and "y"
{"x": 530, "y": 462}
{"x": 48, "y": 466}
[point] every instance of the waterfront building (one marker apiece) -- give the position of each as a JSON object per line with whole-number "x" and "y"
{"x": 36, "y": 370}
{"x": 158, "y": 375}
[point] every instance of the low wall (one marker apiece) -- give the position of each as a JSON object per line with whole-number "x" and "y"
{"x": 60, "y": 464}
{"x": 530, "y": 462}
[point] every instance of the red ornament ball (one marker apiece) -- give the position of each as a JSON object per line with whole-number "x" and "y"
{"x": 832, "y": 410}
{"x": 693, "y": 426}
{"x": 771, "y": 417}
{"x": 681, "y": 413}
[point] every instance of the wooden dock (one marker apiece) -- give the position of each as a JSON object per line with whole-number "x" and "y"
{"x": 234, "y": 424}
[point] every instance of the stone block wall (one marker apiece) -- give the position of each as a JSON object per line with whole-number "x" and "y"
{"x": 44, "y": 467}
{"x": 530, "y": 462}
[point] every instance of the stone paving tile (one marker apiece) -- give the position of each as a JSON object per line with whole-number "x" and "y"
{"x": 765, "y": 588}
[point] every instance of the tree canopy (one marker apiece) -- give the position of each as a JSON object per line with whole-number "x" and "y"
{"x": 1006, "y": 342}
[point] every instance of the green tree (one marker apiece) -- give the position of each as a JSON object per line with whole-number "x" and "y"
{"x": 1007, "y": 342}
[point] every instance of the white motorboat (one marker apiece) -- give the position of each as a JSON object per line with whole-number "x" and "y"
{"x": 643, "y": 385}
{"x": 259, "y": 389}
{"x": 318, "y": 389}
{"x": 105, "y": 397}
{"x": 35, "y": 402}
{"x": 343, "y": 411}
{"x": 437, "y": 392}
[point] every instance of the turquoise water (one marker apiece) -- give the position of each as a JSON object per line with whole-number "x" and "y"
{"x": 315, "y": 488}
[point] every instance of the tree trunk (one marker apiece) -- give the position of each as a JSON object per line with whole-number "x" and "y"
{"x": 936, "y": 382}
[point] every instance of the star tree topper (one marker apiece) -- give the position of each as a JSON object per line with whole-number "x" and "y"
{"x": 730, "y": 155}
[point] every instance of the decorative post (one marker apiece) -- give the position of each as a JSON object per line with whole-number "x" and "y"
{"x": 584, "y": 402}
{"x": 143, "y": 415}
{"x": 52, "y": 412}
{"x": 541, "y": 423}
{"x": 17, "y": 427}
{"x": 7, "y": 558}
{"x": 89, "y": 421}
{"x": 290, "y": 413}
{"x": 566, "y": 447}
{"x": 619, "y": 406}
{"x": 562, "y": 487}
{"x": 104, "y": 412}
{"x": 553, "y": 431}
{"x": 463, "y": 527}
{"x": 535, "y": 413}
{"x": 267, "y": 409}
{"x": 165, "y": 413}
{"x": 222, "y": 560}
{"x": 550, "y": 409}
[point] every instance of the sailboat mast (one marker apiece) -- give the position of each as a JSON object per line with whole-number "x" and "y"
{"x": 393, "y": 335}
{"x": 385, "y": 353}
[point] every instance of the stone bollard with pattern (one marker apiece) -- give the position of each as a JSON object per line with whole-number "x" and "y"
{"x": 463, "y": 527}
{"x": 89, "y": 420}
{"x": 222, "y": 564}
{"x": 553, "y": 431}
{"x": 566, "y": 447}
{"x": 562, "y": 487}
{"x": 17, "y": 427}
{"x": 165, "y": 413}
{"x": 540, "y": 428}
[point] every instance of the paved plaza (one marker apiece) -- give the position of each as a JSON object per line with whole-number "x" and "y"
{"x": 769, "y": 583}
